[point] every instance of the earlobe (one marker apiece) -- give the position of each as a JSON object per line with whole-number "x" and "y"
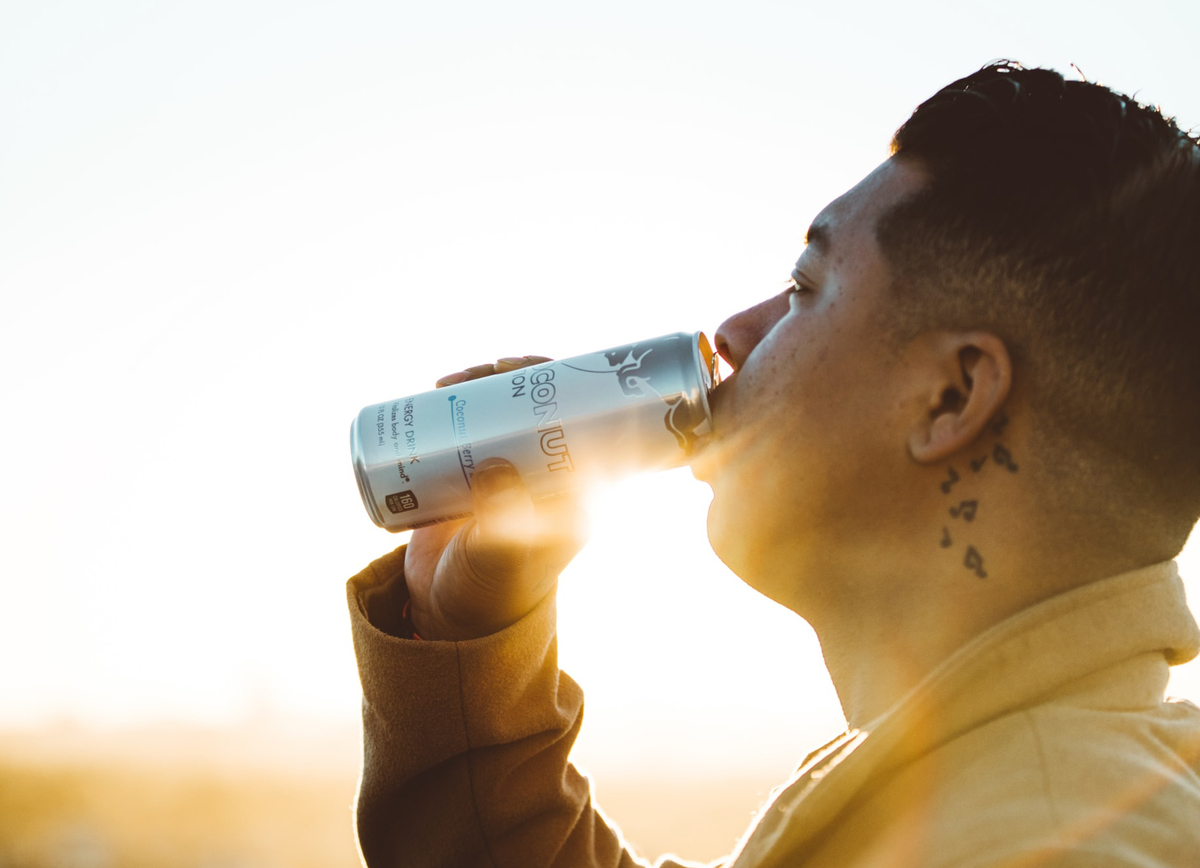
{"x": 972, "y": 380}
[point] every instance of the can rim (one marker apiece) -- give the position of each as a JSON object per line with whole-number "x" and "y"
{"x": 708, "y": 363}
{"x": 710, "y": 373}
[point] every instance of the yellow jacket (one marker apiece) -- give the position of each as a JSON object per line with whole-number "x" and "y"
{"x": 1046, "y": 741}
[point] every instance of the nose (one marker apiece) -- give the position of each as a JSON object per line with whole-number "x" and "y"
{"x": 737, "y": 337}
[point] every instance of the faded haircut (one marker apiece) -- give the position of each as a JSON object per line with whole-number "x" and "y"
{"x": 1065, "y": 218}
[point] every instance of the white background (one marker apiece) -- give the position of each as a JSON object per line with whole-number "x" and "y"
{"x": 227, "y": 226}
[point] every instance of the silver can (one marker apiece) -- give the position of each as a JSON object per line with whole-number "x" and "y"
{"x": 562, "y": 424}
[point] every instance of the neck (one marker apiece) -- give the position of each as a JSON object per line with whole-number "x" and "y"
{"x": 879, "y": 652}
{"x": 887, "y": 629}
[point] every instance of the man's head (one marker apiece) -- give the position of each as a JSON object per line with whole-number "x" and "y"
{"x": 1028, "y": 252}
{"x": 1065, "y": 218}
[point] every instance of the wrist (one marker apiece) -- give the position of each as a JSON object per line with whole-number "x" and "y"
{"x": 422, "y": 624}
{"x": 407, "y": 629}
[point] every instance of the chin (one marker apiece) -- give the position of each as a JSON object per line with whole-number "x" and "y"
{"x": 703, "y": 464}
{"x": 730, "y": 535}
{"x": 766, "y": 558}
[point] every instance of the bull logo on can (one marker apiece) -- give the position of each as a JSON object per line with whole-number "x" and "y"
{"x": 638, "y": 365}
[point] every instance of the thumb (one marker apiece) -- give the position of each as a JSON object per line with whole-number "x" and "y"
{"x": 504, "y": 521}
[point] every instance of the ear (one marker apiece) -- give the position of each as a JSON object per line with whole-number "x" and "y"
{"x": 967, "y": 383}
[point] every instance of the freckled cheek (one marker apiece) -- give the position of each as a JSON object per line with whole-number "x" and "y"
{"x": 793, "y": 371}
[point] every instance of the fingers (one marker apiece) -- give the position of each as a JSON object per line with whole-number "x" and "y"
{"x": 511, "y": 363}
{"x": 564, "y": 531}
{"x": 505, "y": 528}
{"x": 500, "y": 366}
{"x": 524, "y": 535}
{"x": 520, "y": 547}
{"x": 488, "y": 578}
{"x": 504, "y": 561}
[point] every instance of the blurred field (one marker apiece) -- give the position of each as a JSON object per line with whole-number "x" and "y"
{"x": 176, "y": 797}
{"x": 173, "y": 796}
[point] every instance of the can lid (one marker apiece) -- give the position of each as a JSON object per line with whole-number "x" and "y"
{"x": 708, "y": 362}
{"x": 710, "y": 376}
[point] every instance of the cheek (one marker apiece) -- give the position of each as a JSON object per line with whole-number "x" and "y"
{"x": 797, "y": 384}
{"x": 782, "y": 365}
{"x": 824, "y": 411}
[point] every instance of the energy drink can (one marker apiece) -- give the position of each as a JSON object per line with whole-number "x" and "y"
{"x": 562, "y": 424}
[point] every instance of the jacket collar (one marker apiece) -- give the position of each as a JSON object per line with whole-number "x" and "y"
{"x": 1013, "y": 665}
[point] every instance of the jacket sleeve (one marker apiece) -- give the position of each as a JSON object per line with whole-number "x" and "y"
{"x": 465, "y": 745}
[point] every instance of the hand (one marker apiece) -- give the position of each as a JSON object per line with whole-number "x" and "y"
{"x": 471, "y": 578}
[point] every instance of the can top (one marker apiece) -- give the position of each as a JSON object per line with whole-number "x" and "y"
{"x": 708, "y": 363}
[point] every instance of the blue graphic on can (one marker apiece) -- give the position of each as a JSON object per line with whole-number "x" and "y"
{"x": 458, "y": 427}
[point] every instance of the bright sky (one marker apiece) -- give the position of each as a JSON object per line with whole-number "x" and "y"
{"x": 227, "y": 226}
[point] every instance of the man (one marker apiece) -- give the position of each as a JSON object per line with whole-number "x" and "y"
{"x": 963, "y": 446}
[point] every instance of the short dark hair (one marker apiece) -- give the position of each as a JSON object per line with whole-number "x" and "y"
{"x": 1065, "y": 218}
